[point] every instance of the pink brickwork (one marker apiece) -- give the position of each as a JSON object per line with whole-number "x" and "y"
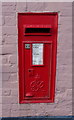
{"x": 63, "y": 95}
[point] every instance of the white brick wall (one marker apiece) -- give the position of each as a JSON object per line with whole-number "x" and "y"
{"x": 0, "y": 59}
{"x": 63, "y": 95}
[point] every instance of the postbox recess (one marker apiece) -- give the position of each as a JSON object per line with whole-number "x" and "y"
{"x": 37, "y": 47}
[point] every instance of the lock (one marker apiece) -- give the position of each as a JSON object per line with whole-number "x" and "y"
{"x": 30, "y": 72}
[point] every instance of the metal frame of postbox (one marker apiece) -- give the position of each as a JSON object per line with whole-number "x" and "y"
{"x": 21, "y": 55}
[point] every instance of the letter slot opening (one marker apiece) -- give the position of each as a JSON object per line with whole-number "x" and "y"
{"x": 37, "y": 31}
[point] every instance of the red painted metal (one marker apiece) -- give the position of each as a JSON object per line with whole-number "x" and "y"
{"x": 37, "y": 82}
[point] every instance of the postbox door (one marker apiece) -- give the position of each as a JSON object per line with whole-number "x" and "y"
{"x": 37, "y": 70}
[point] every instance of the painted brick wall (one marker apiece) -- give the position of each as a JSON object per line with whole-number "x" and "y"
{"x": 0, "y": 59}
{"x": 63, "y": 95}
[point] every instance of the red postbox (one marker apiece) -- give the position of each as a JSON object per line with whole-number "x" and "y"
{"x": 37, "y": 47}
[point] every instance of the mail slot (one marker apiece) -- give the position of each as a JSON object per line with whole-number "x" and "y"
{"x": 37, "y": 30}
{"x": 37, "y": 49}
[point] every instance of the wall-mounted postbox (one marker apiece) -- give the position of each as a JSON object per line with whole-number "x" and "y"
{"x": 37, "y": 46}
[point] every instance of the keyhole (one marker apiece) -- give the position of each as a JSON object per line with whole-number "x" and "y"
{"x": 29, "y": 70}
